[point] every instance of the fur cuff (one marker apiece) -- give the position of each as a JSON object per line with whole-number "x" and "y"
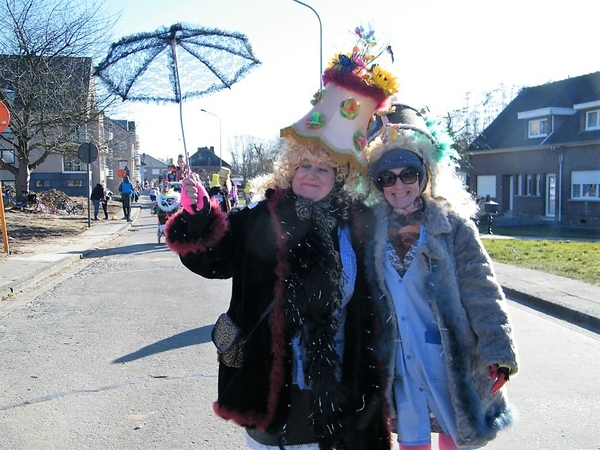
{"x": 241, "y": 418}
{"x": 185, "y": 233}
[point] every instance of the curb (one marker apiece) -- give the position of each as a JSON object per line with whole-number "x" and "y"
{"x": 26, "y": 281}
{"x": 557, "y": 310}
{"x": 51, "y": 268}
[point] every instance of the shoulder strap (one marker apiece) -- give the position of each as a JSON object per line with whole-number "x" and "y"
{"x": 266, "y": 312}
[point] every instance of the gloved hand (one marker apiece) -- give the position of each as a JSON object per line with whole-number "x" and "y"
{"x": 193, "y": 194}
{"x": 500, "y": 374}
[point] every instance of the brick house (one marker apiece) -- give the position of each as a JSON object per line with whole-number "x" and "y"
{"x": 152, "y": 170}
{"x": 75, "y": 102}
{"x": 206, "y": 162}
{"x": 540, "y": 158}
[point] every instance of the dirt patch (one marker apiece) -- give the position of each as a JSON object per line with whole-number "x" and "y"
{"x": 40, "y": 224}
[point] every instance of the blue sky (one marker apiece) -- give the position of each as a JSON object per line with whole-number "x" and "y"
{"x": 443, "y": 49}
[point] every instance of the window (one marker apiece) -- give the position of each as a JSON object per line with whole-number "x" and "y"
{"x": 592, "y": 120}
{"x": 529, "y": 185}
{"x": 8, "y": 156}
{"x": 486, "y": 185}
{"x": 538, "y": 185}
{"x": 74, "y": 183}
{"x": 42, "y": 183}
{"x": 538, "y": 128}
{"x": 72, "y": 165}
{"x": 584, "y": 184}
{"x": 519, "y": 184}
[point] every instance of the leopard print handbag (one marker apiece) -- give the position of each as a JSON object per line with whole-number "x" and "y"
{"x": 229, "y": 340}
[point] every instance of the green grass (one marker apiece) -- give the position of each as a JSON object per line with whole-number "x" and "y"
{"x": 578, "y": 260}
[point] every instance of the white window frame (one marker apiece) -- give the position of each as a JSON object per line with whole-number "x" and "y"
{"x": 592, "y": 124}
{"x": 75, "y": 183}
{"x": 584, "y": 185}
{"x": 486, "y": 185}
{"x": 42, "y": 183}
{"x": 76, "y": 165}
{"x": 8, "y": 155}
{"x": 535, "y": 128}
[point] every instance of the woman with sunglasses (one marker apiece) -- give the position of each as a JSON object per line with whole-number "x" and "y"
{"x": 447, "y": 337}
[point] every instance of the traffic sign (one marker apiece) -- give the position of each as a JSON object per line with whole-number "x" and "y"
{"x": 87, "y": 152}
{"x": 4, "y": 117}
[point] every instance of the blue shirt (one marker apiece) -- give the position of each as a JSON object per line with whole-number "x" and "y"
{"x": 420, "y": 383}
{"x": 348, "y": 261}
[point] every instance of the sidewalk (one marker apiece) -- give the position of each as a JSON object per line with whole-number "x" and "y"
{"x": 569, "y": 300}
{"x": 22, "y": 270}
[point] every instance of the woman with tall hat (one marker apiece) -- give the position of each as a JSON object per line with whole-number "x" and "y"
{"x": 220, "y": 188}
{"x": 447, "y": 337}
{"x": 302, "y": 373}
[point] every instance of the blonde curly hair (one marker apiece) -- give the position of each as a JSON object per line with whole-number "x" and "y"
{"x": 295, "y": 153}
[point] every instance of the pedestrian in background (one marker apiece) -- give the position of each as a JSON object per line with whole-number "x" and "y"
{"x": 104, "y": 202}
{"x": 219, "y": 189}
{"x": 447, "y": 336}
{"x": 98, "y": 193}
{"x": 233, "y": 195}
{"x": 126, "y": 191}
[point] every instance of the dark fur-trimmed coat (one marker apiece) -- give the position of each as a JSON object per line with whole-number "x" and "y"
{"x": 470, "y": 309}
{"x": 261, "y": 247}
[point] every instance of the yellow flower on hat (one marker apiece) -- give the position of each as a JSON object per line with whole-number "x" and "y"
{"x": 384, "y": 80}
{"x": 361, "y": 63}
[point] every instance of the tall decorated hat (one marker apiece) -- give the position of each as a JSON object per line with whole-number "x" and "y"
{"x": 404, "y": 117}
{"x": 402, "y": 136}
{"x": 355, "y": 86}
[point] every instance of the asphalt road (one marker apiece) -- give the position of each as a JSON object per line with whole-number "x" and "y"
{"x": 115, "y": 353}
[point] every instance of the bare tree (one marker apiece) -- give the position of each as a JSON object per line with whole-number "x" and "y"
{"x": 480, "y": 110}
{"x": 251, "y": 156}
{"x": 46, "y": 50}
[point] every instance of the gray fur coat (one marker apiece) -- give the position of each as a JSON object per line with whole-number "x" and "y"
{"x": 471, "y": 312}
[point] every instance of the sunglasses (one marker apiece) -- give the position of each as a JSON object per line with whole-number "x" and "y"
{"x": 407, "y": 176}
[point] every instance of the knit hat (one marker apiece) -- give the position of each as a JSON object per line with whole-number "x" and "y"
{"x": 397, "y": 158}
{"x": 354, "y": 89}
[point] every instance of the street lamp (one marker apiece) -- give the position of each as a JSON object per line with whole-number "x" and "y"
{"x": 320, "y": 42}
{"x": 220, "y": 137}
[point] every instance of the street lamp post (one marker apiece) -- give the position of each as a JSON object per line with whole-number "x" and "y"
{"x": 320, "y": 42}
{"x": 220, "y": 137}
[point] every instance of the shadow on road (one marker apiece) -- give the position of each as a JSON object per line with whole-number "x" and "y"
{"x": 187, "y": 338}
{"x": 129, "y": 249}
